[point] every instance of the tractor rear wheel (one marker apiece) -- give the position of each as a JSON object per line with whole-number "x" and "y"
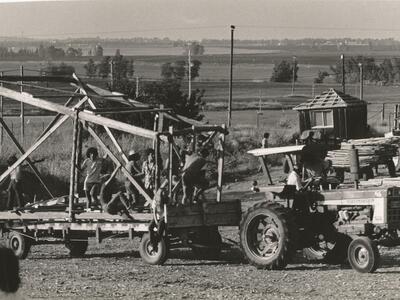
{"x": 363, "y": 255}
{"x": 267, "y": 232}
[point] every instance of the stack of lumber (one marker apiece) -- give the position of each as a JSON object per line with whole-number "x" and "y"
{"x": 371, "y": 151}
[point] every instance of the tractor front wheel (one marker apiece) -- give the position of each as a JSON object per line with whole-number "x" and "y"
{"x": 363, "y": 255}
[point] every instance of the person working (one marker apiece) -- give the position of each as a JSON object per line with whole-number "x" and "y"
{"x": 294, "y": 178}
{"x": 149, "y": 172}
{"x": 193, "y": 177}
{"x": 94, "y": 167}
{"x": 133, "y": 169}
{"x": 14, "y": 190}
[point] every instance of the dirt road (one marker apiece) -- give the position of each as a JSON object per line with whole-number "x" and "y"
{"x": 114, "y": 270}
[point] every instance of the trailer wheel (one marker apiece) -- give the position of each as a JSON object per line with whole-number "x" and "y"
{"x": 153, "y": 254}
{"x": 267, "y": 232}
{"x": 77, "y": 248}
{"x": 363, "y": 255}
{"x": 207, "y": 243}
{"x": 19, "y": 244}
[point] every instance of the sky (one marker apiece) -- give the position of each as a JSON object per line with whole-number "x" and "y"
{"x": 198, "y": 19}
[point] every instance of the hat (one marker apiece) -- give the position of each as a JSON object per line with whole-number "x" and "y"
{"x": 131, "y": 152}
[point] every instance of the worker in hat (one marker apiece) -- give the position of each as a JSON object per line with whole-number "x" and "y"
{"x": 134, "y": 170}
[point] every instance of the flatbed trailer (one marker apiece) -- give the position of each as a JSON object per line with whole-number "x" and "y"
{"x": 191, "y": 225}
{"x": 185, "y": 226}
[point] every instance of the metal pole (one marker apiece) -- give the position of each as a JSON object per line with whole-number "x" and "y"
{"x": 294, "y": 73}
{"x": 22, "y": 110}
{"x": 361, "y": 81}
{"x": 343, "y": 74}
{"x": 230, "y": 79}
{"x": 189, "y": 74}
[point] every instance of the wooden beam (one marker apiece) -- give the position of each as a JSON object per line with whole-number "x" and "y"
{"x": 221, "y": 151}
{"x": 117, "y": 162}
{"x": 33, "y": 148}
{"x": 111, "y": 135}
{"x": 73, "y": 167}
{"x": 22, "y": 151}
{"x": 99, "y": 120}
{"x": 265, "y": 168}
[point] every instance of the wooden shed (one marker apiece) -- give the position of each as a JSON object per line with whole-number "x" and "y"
{"x": 336, "y": 113}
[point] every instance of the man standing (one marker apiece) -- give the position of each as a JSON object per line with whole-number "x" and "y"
{"x": 15, "y": 198}
{"x": 133, "y": 169}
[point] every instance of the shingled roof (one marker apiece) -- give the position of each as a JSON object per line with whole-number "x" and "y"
{"x": 330, "y": 99}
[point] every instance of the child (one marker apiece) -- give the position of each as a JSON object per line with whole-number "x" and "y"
{"x": 93, "y": 165}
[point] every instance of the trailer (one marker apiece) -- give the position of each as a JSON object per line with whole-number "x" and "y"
{"x": 63, "y": 219}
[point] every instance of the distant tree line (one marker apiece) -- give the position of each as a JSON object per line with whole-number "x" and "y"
{"x": 168, "y": 91}
{"x": 386, "y": 72}
{"x": 50, "y": 52}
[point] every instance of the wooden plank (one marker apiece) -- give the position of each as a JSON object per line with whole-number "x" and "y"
{"x": 99, "y": 120}
{"x": 276, "y": 150}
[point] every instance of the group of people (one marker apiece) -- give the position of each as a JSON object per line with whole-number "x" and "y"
{"x": 189, "y": 173}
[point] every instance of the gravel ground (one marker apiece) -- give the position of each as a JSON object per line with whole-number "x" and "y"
{"x": 114, "y": 270}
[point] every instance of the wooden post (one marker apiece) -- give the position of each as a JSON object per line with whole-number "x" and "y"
{"x": 157, "y": 162}
{"x": 170, "y": 168}
{"x": 1, "y": 115}
{"x": 343, "y": 75}
{"x": 78, "y": 156}
{"x": 265, "y": 168}
{"x": 194, "y": 139}
{"x": 221, "y": 151}
{"x": 383, "y": 113}
{"x": 73, "y": 167}
{"x": 396, "y": 113}
{"x": 22, "y": 109}
{"x": 161, "y": 119}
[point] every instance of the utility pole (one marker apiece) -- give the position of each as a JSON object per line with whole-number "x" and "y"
{"x": 112, "y": 74}
{"x": 294, "y": 73}
{"x": 22, "y": 109}
{"x": 361, "y": 81}
{"x": 230, "y": 79}
{"x": 343, "y": 74}
{"x": 189, "y": 72}
{"x": 137, "y": 87}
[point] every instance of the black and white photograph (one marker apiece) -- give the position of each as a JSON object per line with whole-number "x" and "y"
{"x": 199, "y": 149}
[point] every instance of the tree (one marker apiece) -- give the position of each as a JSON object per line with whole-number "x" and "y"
{"x": 179, "y": 70}
{"x": 283, "y": 72}
{"x": 91, "y": 68}
{"x": 321, "y": 76}
{"x": 103, "y": 68}
{"x": 59, "y": 70}
{"x": 98, "y": 51}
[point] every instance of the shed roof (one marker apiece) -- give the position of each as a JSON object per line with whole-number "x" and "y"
{"x": 330, "y": 99}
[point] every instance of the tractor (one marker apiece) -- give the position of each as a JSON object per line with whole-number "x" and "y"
{"x": 345, "y": 224}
